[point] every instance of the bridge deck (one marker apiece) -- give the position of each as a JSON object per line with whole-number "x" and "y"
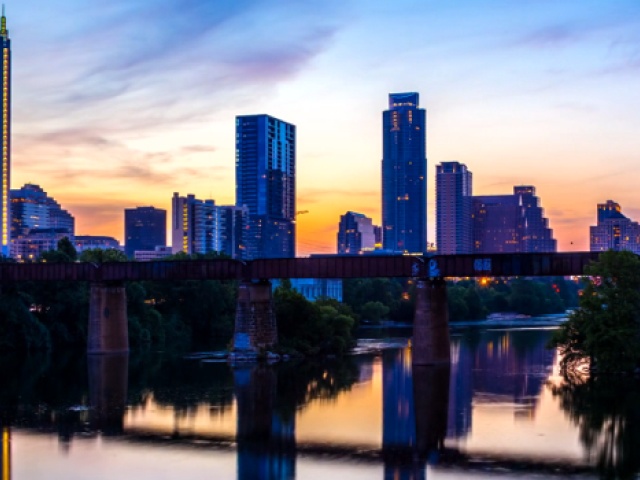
{"x": 473, "y": 265}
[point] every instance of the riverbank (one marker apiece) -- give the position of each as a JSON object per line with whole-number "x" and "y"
{"x": 551, "y": 320}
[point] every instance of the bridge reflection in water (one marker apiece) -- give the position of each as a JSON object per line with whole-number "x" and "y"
{"x": 424, "y": 409}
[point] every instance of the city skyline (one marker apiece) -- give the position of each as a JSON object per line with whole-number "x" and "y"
{"x": 524, "y": 94}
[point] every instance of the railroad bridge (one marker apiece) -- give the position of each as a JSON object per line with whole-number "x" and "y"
{"x": 255, "y": 322}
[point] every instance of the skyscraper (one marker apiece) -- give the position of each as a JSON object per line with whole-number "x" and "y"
{"x": 5, "y": 209}
{"x": 511, "y": 223}
{"x": 195, "y": 226}
{"x": 266, "y": 184}
{"x": 404, "y": 175}
{"x": 454, "y": 208}
{"x": 614, "y": 230}
{"x": 355, "y": 234}
{"x": 145, "y": 228}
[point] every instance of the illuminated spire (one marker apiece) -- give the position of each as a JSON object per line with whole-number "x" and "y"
{"x": 3, "y": 24}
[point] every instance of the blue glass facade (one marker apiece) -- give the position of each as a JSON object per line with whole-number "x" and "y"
{"x": 145, "y": 228}
{"x": 404, "y": 175}
{"x": 266, "y": 184}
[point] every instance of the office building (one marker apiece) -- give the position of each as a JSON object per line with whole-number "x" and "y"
{"x": 454, "y": 205}
{"x": 5, "y": 71}
{"x": 92, "y": 242}
{"x": 614, "y": 231}
{"x": 355, "y": 234}
{"x": 266, "y": 184}
{"x": 157, "y": 253}
{"x": 33, "y": 210}
{"x": 144, "y": 229}
{"x": 315, "y": 288}
{"x": 404, "y": 175}
{"x": 511, "y": 223}
{"x": 39, "y": 240}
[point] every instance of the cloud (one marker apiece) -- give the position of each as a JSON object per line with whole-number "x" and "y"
{"x": 550, "y": 37}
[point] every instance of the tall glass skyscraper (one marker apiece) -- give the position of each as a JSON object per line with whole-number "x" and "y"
{"x": 454, "y": 209}
{"x": 5, "y": 210}
{"x": 404, "y": 175}
{"x": 266, "y": 184}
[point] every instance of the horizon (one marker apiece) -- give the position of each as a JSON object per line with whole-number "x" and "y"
{"x": 149, "y": 109}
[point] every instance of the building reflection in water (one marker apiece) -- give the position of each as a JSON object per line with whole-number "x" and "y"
{"x": 415, "y": 403}
{"x": 496, "y": 367}
{"x": 6, "y": 453}
{"x": 265, "y": 437}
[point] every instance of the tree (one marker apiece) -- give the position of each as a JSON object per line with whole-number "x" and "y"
{"x": 98, "y": 255}
{"x": 374, "y": 311}
{"x": 605, "y": 330}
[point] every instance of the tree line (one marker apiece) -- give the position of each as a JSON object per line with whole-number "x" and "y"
{"x": 377, "y": 299}
{"x": 179, "y": 315}
{"x": 197, "y": 315}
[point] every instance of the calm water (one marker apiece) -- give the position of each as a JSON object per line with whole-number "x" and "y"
{"x": 499, "y": 411}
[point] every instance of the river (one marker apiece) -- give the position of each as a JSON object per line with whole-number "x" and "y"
{"x": 500, "y": 410}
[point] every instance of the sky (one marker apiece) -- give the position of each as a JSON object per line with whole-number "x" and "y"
{"x": 121, "y": 103}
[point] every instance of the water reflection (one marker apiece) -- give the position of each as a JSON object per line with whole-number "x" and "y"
{"x": 497, "y": 368}
{"x": 607, "y": 413}
{"x": 267, "y": 418}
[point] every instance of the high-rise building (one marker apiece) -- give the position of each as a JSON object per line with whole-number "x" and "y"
{"x": 511, "y": 223}
{"x": 5, "y": 208}
{"x": 614, "y": 231}
{"x": 235, "y": 230}
{"x": 404, "y": 175}
{"x": 201, "y": 226}
{"x": 266, "y": 184}
{"x": 195, "y": 225}
{"x": 32, "y": 208}
{"x": 454, "y": 208}
{"x": 145, "y": 228}
{"x": 355, "y": 234}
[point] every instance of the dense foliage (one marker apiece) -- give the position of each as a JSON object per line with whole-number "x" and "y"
{"x": 375, "y": 299}
{"x": 312, "y": 328}
{"x": 604, "y": 332}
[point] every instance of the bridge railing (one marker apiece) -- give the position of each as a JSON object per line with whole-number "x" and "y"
{"x": 441, "y": 266}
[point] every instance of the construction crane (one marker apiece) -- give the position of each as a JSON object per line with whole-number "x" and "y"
{"x": 301, "y": 212}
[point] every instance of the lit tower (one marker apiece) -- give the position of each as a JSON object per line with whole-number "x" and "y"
{"x": 5, "y": 213}
{"x": 404, "y": 175}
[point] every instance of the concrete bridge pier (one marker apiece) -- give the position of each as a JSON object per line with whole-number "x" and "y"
{"x": 108, "y": 325}
{"x": 255, "y": 327}
{"x": 430, "y": 344}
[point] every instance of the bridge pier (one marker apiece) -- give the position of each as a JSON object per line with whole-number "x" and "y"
{"x": 108, "y": 326}
{"x": 255, "y": 327}
{"x": 430, "y": 345}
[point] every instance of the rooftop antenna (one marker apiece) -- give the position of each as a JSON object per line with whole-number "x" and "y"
{"x": 3, "y": 23}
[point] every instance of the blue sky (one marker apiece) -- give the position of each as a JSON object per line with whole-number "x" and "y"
{"x": 122, "y": 104}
